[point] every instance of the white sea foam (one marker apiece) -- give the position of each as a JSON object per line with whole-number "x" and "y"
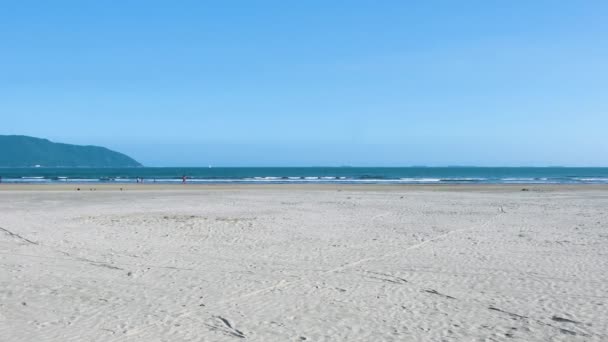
{"x": 84, "y": 180}
{"x": 420, "y": 180}
{"x": 464, "y": 179}
{"x": 26, "y": 180}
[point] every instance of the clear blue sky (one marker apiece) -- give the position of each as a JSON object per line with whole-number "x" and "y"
{"x": 283, "y": 83}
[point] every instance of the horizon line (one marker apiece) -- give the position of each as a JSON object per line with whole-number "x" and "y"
{"x": 303, "y": 166}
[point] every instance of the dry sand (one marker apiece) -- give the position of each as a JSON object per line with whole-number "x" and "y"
{"x": 295, "y": 263}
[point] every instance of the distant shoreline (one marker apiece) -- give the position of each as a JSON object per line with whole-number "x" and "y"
{"x": 86, "y": 187}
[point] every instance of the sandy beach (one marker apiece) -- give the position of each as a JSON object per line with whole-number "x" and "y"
{"x": 303, "y": 263}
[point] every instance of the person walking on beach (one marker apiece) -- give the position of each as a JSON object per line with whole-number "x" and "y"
{"x": 184, "y": 179}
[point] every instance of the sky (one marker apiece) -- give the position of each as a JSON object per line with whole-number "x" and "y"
{"x": 312, "y": 83}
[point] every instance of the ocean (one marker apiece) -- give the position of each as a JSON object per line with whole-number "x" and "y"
{"x": 340, "y": 175}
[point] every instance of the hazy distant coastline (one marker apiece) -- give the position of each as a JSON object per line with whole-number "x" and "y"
{"x": 25, "y": 151}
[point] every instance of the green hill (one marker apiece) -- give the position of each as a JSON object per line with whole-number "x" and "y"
{"x": 24, "y": 151}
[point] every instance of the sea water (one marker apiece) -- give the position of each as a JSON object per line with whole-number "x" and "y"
{"x": 340, "y": 175}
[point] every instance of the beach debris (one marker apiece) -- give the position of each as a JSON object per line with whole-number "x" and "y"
{"x": 514, "y": 315}
{"x": 101, "y": 264}
{"x": 438, "y": 293}
{"x": 567, "y": 332}
{"x": 565, "y": 320}
{"x": 389, "y": 278}
{"x": 17, "y": 236}
{"x": 228, "y": 328}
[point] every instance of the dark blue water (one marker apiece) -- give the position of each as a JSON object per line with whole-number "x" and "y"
{"x": 397, "y": 175}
